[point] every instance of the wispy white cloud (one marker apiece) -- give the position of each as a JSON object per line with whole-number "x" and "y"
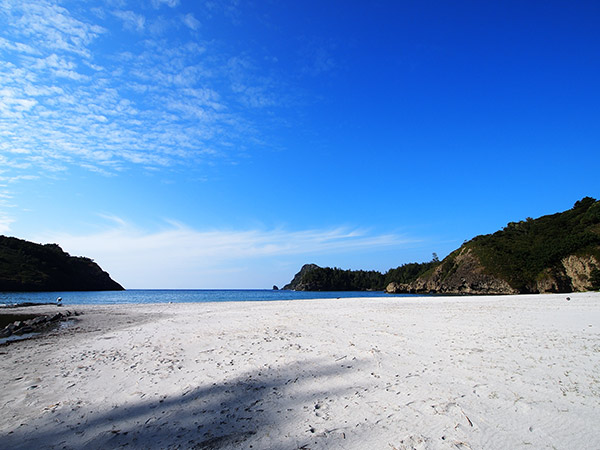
{"x": 58, "y": 67}
{"x": 177, "y": 252}
{"x": 50, "y": 26}
{"x": 13, "y": 104}
{"x": 170, "y": 3}
{"x": 10, "y": 180}
{"x": 17, "y": 46}
{"x": 161, "y": 103}
{"x": 131, "y": 20}
{"x": 5, "y": 222}
{"x": 191, "y": 22}
{"x": 6, "y": 219}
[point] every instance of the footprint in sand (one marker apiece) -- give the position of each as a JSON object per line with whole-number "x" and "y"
{"x": 322, "y": 410}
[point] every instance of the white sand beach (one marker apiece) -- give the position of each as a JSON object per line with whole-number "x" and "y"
{"x": 505, "y": 372}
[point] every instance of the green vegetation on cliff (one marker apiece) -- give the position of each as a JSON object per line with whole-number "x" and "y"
{"x": 408, "y": 273}
{"x": 525, "y": 251}
{"x": 314, "y": 278}
{"x": 26, "y": 266}
{"x": 554, "y": 253}
{"x": 335, "y": 279}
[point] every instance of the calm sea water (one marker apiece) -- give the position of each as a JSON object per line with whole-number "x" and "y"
{"x": 175, "y": 296}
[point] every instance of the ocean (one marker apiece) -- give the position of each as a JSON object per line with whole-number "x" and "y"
{"x": 175, "y": 296}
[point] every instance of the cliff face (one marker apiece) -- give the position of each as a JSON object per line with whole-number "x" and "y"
{"x": 464, "y": 273}
{"x": 555, "y": 253}
{"x": 297, "y": 283}
{"x": 461, "y": 273}
{"x": 26, "y": 266}
{"x": 579, "y": 270}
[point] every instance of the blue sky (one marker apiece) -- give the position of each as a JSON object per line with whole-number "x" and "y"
{"x": 223, "y": 144}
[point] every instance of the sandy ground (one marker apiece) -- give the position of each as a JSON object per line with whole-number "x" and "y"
{"x": 399, "y": 373}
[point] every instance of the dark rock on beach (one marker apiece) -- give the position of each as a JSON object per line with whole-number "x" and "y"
{"x": 19, "y": 324}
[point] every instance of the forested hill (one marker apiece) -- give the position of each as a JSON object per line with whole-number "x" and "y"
{"x": 314, "y": 278}
{"x": 554, "y": 253}
{"x": 26, "y": 266}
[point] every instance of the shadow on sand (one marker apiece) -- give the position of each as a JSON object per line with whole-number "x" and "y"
{"x": 272, "y": 409}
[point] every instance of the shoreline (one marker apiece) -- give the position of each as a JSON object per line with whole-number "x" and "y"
{"x": 386, "y": 372}
{"x": 149, "y": 296}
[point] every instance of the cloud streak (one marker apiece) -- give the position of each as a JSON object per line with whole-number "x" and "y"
{"x": 179, "y": 255}
{"x": 131, "y": 20}
{"x": 97, "y": 89}
{"x": 191, "y": 22}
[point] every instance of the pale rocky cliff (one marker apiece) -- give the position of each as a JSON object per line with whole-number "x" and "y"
{"x": 572, "y": 275}
{"x": 460, "y": 273}
{"x": 579, "y": 269}
{"x": 554, "y": 253}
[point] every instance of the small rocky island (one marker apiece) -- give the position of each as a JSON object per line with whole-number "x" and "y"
{"x": 29, "y": 267}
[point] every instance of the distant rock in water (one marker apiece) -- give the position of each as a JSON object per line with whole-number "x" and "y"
{"x": 26, "y": 266}
{"x": 275, "y": 288}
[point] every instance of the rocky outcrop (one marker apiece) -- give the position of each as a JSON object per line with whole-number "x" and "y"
{"x": 31, "y": 324}
{"x": 398, "y": 288}
{"x": 297, "y": 283}
{"x": 554, "y": 253}
{"x": 461, "y": 273}
{"x": 579, "y": 269}
{"x": 552, "y": 280}
{"x": 571, "y": 275}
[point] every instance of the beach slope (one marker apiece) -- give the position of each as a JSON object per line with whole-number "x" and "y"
{"x": 502, "y": 372}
